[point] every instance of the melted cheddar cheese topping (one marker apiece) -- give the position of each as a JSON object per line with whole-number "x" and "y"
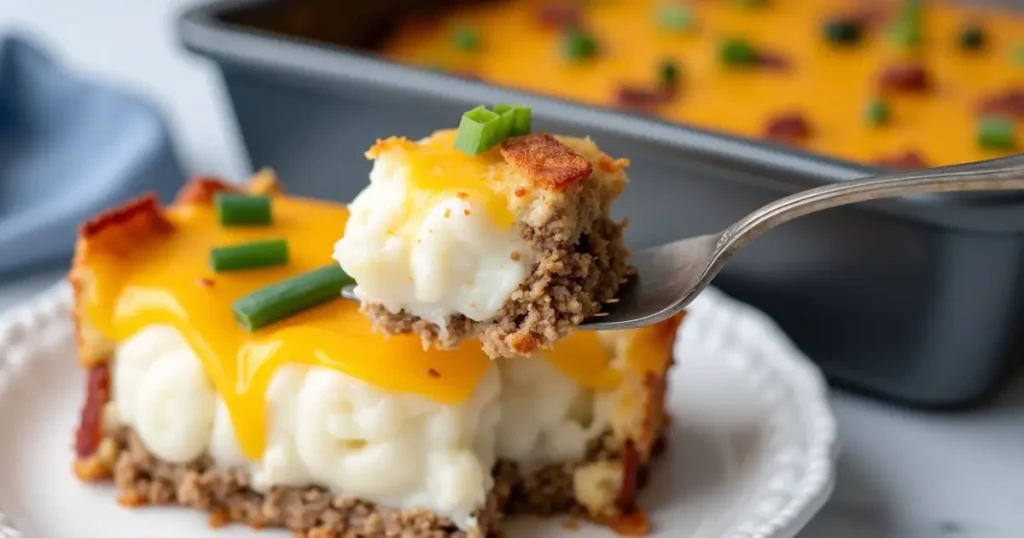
{"x": 437, "y": 171}
{"x": 828, "y": 85}
{"x": 166, "y": 280}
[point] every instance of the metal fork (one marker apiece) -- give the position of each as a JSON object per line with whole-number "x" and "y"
{"x": 670, "y": 276}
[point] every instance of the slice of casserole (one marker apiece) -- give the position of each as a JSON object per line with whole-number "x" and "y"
{"x": 316, "y": 423}
{"x": 514, "y": 245}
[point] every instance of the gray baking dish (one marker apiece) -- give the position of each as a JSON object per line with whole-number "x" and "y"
{"x": 915, "y": 300}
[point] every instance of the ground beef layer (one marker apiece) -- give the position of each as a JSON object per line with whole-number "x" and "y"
{"x": 312, "y": 512}
{"x": 571, "y": 281}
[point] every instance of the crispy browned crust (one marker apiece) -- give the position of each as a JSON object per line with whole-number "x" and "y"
{"x": 656, "y": 387}
{"x": 545, "y": 161}
{"x": 111, "y": 233}
{"x": 117, "y": 230}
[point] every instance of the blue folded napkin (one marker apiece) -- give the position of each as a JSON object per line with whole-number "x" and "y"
{"x": 69, "y": 149}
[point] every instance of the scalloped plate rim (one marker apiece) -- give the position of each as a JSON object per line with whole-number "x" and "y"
{"x": 22, "y": 325}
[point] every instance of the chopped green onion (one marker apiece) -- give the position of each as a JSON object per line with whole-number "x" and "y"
{"x": 466, "y": 38}
{"x": 518, "y": 117}
{"x": 242, "y": 209}
{"x": 876, "y": 112}
{"x": 674, "y": 17}
{"x": 506, "y": 120}
{"x": 908, "y": 27}
{"x": 1018, "y": 55}
{"x": 906, "y": 35}
{"x": 995, "y": 132}
{"x": 842, "y": 31}
{"x": 578, "y": 44}
{"x": 668, "y": 74}
{"x": 972, "y": 38}
{"x": 249, "y": 255}
{"x": 737, "y": 52}
{"x": 289, "y": 297}
{"x": 479, "y": 131}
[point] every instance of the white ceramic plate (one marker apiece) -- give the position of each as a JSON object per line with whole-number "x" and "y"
{"x": 750, "y": 453}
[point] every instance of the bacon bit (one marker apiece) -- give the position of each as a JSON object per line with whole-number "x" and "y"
{"x": 904, "y": 77}
{"x": 465, "y": 212}
{"x": 869, "y": 14}
{"x": 654, "y": 413}
{"x": 90, "y": 426}
{"x": 433, "y": 373}
{"x": 218, "y": 518}
{"x": 634, "y": 523}
{"x": 626, "y": 501}
{"x": 910, "y": 160}
{"x": 419, "y": 23}
{"x": 571, "y": 525}
{"x": 545, "y": 160}
{"x": 789, "y": 126}
{"x": 772, "y": 60}
{"x": 520, "y": 192}
{"x": 1008, "y": 103}
{"x": 631, "y": 96}
{"x": 514, "y": 256}
{"x": 559, "y": 15}
{"x": 461, "y": 195}
{"x": 447, "y": 213}
{"x": 389, "y": 143}
{"x": 139, "y": 217}
{"x": 206, "y": 282}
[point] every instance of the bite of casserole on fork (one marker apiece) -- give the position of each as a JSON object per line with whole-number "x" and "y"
{"x": 513, "y": 243}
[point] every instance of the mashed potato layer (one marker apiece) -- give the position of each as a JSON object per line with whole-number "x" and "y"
{"x": 330, "y": 429}
{"x": 413, "y": 244}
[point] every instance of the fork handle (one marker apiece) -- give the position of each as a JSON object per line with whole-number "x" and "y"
{"x": 1006, "y": 173}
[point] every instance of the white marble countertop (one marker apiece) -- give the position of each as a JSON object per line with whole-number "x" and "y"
{"x": 902, "y": 474}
